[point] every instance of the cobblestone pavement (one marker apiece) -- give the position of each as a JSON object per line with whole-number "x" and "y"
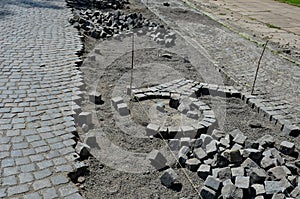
{"x": 278, "y": 79}
{"x": 38, "y": 82}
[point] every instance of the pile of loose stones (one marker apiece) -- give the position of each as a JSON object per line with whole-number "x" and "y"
{"x": 232, "y": 166}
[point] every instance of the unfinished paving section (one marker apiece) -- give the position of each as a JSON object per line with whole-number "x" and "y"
{"x": 39, "y": 84}
{"x": 106, "y": 66}
{"x": 277, "y": 84}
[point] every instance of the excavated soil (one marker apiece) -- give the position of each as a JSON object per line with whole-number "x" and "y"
{"x": 102, "y": 181}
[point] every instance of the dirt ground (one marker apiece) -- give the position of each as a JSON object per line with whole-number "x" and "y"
{"x": 105, "y": 181}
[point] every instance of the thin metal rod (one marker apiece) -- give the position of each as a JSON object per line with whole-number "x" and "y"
{"x": 262, "y": 53}
{"x": 132, "y": 63}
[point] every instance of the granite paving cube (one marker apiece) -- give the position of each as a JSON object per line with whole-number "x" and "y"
{"x": 203, "y": 171}
{"x": 217, "y": 134}
{"x": 225, "y": 143}
{"x": 168, "y": 177}
{"x": 200, "y": 153}
{"x": 296, "y": 192}
{"x": 254, "y": 154}
{"x": 238, "y": 171}
{"x": 25, "y": 177}
{"x": 82, "y": 149}
{"x": 174, "y": 101}
{"x": 95, "y": 97}
{"x": 230, "y": 191}
{"x": 258, "y": 189}
{"x": 287, "y": 147}
{"x": 193, "y": 114}
{"x": 267, "y": 163}
{"x": 213, "y": 183}
{"x": 211, "y": 148}
{"x": 291, "y": 130}
{"x": 273, "y": 187}
{"x": 266, "y": 141}
{"x": 242, "y": 182}
{"x": 85, "y": 118}
{"x": 257, "y": 175}
{"x": 188, "y": 131}
{"x": 240, "y": 138}
{"x": 192, "y": 164}
{"x": 207, "y": 193}
{"x": 185, "y": 141}
{"x": 278, "y": 172}
{"x": 182, "y": 154}
{"x": 49, "y": 193}
{"x": 160, "y": 106}
{"x": 224, "y": 173}
{"x": 116, "y": 100}
{"x": 152, "y": 129}
{"x": 233, "y": 156}
{"x": 13, "y": 190}
{"x": 9, "y": 181}
{"x": 248, "y": 163}
{"x": 59, "y": 179}
{"x": 174, "y": 144}
{"x": 206, "y": 139}
{"x": 158, "y": 161}
{"x": 67, "y": 190}
{"x": 42, "y": 174}
{"x": 123, "y": 109}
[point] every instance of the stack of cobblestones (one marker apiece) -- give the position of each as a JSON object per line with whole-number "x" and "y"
{"x": 232, "y": 166}
{"x": 101, "y": 25}
{"x": 99, "y": 4}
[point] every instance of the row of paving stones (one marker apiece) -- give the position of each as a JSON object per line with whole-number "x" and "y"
{"x": 277, "y": 83}
{"x": 272, "y": 110}
{"x": 38, "y": 86}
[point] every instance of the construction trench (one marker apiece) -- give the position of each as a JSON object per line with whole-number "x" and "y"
{"x": 160, "y": 119}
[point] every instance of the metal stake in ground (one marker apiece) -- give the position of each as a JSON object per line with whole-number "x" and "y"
{"x": 132, "y": 60}
{"x": 262, "y": 53}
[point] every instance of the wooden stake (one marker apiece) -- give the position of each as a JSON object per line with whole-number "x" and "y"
{"x": 262, "y": 53}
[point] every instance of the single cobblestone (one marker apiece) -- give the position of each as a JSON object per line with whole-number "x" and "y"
{"x": 44, "y": 164}
{"x": 49, "y": 193}
{"x": 22, "y": 161}
{"x": 17, "y": 189}
{"x": 67, "y": 190}
{"x": 74, "y": 196}
{"x": 57, "y": 180}
{"x": 7, "y": 162}
{"x": 42, "y": 174}
{"x": 28, "y": 168}
{"x": 10, "y": 171}
{"x": 10, "y": 180}
{"x": 32, "y": 196}
{"x": 25, "y": 177}
{"x": 40, "y": 184}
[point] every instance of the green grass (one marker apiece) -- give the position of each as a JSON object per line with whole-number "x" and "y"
{"x": 292, "y": 2}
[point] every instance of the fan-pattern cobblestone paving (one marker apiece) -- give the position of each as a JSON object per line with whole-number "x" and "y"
{"x": 38, "y": 84}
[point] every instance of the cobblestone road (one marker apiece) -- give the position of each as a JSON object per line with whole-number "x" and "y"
{"x": 278, "y": 79}
{"x": 38, "y": 82}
